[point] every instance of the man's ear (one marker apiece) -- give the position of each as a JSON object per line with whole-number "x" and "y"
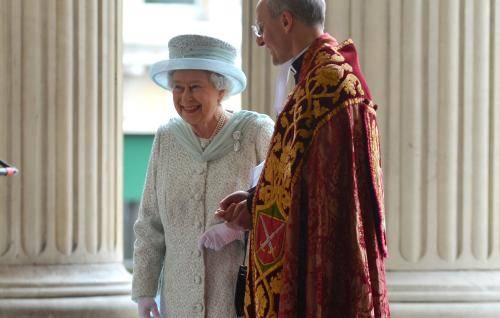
{"x": 286, "y": 21}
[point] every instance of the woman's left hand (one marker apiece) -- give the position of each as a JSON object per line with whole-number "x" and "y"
{"x": 219, "y": 236}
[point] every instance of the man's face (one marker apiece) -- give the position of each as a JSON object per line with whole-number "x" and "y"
{"x": 273, "y": 36}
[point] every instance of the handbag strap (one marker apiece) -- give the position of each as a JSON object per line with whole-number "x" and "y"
{"x": 245, "y": 239}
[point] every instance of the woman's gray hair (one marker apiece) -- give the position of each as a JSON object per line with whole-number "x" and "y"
{"x": 310, "y": 12}
{"x": 219, "y": 81}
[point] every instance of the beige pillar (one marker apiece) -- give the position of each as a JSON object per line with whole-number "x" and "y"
{"x": 434, "y": 70}
{"x": 61, "y": 218}
{"x": 257, "y": 65}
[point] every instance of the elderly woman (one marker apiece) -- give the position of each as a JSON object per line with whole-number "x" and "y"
{"x": 196, "y": 160}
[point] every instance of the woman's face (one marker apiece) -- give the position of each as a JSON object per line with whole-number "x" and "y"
{"x": 195, "y": 97}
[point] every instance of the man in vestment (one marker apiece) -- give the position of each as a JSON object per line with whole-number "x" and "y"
{"x": 316, "y": 216}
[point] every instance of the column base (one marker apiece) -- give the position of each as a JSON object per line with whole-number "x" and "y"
{"x": 445, "y": 310}
{"x": 74, "y": 307}
{"x": 432, "y": 294}
{"x": 56, "y": 291}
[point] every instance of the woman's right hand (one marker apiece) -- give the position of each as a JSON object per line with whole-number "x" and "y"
{"x": 146, "y": 307}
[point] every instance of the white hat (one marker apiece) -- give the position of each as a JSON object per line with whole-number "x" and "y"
{"x": 198, "y": 52}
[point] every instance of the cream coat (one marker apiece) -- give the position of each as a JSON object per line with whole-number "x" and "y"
{"x": 178, "y": 203}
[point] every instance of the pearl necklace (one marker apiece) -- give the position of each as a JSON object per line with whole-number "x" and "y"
{"x": 220, "y": 123}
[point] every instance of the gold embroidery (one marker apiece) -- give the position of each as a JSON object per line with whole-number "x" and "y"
{"x": 377, "y": 165}
{"x": 276, "y": 284}
{"x": 260, "y": 301}
{"x": 350, "y": 84}
{"x": 344, "y": 44}
{"x": 330, "y": 75}
{"x": 347, "y": 67}
{"x": 247, "y": 295}
{"x": 329, "y": 81}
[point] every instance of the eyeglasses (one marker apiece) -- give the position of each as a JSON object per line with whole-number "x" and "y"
{"x": 257, "y": 30}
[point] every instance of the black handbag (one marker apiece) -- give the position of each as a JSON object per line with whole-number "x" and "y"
{"x": 239, "y": 295}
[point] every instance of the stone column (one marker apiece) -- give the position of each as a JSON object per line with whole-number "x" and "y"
{"x": 61, "y": 218}
{"x": 434, "y": 70}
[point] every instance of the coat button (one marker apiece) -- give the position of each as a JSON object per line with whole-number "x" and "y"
{"x": 200, "y": 170}
{"x": 198, "y": 308}
{"x": 199, "y": 225}
{"x": 196, "y": 253}
{"x": 197, "y": 196}
{"x": 197, "y": 280}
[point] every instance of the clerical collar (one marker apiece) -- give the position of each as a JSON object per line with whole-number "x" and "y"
{"x": 297, "y": 64}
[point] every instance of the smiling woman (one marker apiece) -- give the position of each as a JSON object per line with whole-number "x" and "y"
{"x": 197, "y": 159}
{"x": 197, "y": 101}
{"x": 144, "y": 107}
{"x": 147, "y": 28}
{"x": 200, "y": 72}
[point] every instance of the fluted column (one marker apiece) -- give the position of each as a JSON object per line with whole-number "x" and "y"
{"x": 434, "y": 70}
{"x": 61, "y": 218}
{"x": 445, "y": 181}
{"x": 258, "y": 66}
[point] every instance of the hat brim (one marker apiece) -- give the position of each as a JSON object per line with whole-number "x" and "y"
{"x": 159, "y": 71}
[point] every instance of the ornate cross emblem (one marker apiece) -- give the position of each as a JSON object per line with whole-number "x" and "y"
{"x": 270, "y": 238}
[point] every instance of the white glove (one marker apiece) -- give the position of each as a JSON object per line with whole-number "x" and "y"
{"x": 218, "y": 236}
{"x": 146, "y": 307}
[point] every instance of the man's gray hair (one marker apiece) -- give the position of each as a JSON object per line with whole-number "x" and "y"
{"x": 219, "y": 81}
{"x": 310, "y": 12}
